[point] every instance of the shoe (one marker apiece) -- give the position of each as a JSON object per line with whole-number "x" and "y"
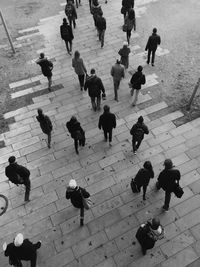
{"x": 49, "y": 88}
{"x": 49, "y": 146}
{"x": 133, "y": 105}
{"x": 69, "y": 53}
{"x": 81, "y": 88}
{"x": 152, "y": 65}
{"x": 144, "y": 198}
{"x": 39, "y": 243}
{"x": 134, "y": 152}
{"x": 77, "y": 152}
{"x": 147, "y": 62}
{"x": 110, "y": 144}
{"x": 165, "y": 209}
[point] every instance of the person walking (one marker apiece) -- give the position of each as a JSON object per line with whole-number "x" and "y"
{"x": 18, "y": 174}
{"x": 45, "y": 125}
{"x": 67, "y": 35}
{"x": 21, "y": 249}
{"x": 126, "y": 5}
{"x": 117, "y": 72}
{"x": 46, "y": 67}
{"x": 167, "y": 180}
{"x": 96, "y": 12}
{"x": 77, "y": 132}
{"x": 143, "y": 177}
{"x": 130, "y": 23}
{"x": 95, "y": 87}
{"x": 71, "y": 14}
{"x": 148, "y": 233}
{"x": 101, "y": 27}
{"x": 80, "y": 69}
{"x": 124, "y": 54}
{"x": 107, "y": 121}
{"x": 137, "y": 80}
{"x": 152, "y": 44}
{"x": 137, "y": 131}
{"x": 76, "y": 194}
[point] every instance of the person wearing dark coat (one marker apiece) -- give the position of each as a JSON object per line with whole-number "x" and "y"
{"x": 95, "y": 87}
{"x": 167, "y": 180}
{"x": 70, "y": 12}
{"x": 77, "y": 133}
{"x": 21, "y": 249}
{"x": 45, "y": 125}
{"x": 96, "y": 11}
{"x": 143, "y": 177}
{"x": 18, "y": 174}
{"x": 107, "y": 121}
{"x": 137, "y": 131}
{"x": 46, "y": 67}
{"x": 127, "y": 4}
{"x": 124, "y": 53}
{"x": 101, "y": 27}
{"x": 152, "y": 44}
{"x": 75, "y": 194}
{"x": 130, "y": 22}
{"x": 67, "y": 35}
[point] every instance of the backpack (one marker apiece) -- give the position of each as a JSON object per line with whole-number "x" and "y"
{"x": 143, "y": 79}
{"x": 144, "y": 236}
{"x": 69, "y": 10}
{"x": 134, "y": 187}
{"x": 138, "y": 133}
{"x": 65, "y": 32}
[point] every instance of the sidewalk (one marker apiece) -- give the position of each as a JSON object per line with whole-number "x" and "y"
{"x": 108, "y": 237}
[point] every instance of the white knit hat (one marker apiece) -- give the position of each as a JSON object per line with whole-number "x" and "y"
{"x": 72, "y": 183}
{"x": 4, "y": 246}
{"x": 18, "y": 240}
{"x": 125, "y": 43}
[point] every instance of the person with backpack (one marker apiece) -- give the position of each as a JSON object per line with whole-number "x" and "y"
{"x": 45, "y": 125}
{"x": 95, "y": 87}
{"x": 126, "y": 6}
{"x": 124, "y": 54}
{"x": 149, "y": 233}
{"x": 67, "y": 35}
{"x": 130, "y": 23}
{"x": 167, "y": 180}
{"x": 101, "y": 27}
{"x": 117, "y": 72}
{"x": 137, "y": 131}
{"x": 18, "y": 174}
{"x": 76, "y": 194}
{"x": 77, "y": 132}
{"x": 71, "y": 14}
{"x": 47, "y": 67}
{"x": 137, "y": 80}
{"x": 96, "y": 12}
{"x": 79, "y": 67}
{"x": 152, "y": 44}
{"x": 143, "y": 177}
{"x": 107, "y": 121}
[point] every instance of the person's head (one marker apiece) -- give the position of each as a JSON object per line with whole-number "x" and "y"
{"x": 125, "y": 44}
{"x": 106, "y": 109}
{"x": 40, "y": 112}
{"x": 73, "y": 119}
{"x": 41, "y": 55}
{"x": 11, "y": 159}
{"x": 19, "y": 239}
{"x": 64, "y": 21}
{"x": 76, "y": 54}
{"x": 131, "y": 13}
{"x": 140, "y": 119}
{"x": 92, "y": 72}
{"x": 155, "y": 223}
{"x": 118, "y": 61}
{"x": 72, "y": 184}
{"x": 154, "y": 30}
{"x": 168, "y": 164}
{"x": 95, "y": 2}
{"x": 140, "y": 68}
{"x": 147, "y": 165}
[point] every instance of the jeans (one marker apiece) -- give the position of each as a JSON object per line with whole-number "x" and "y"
{"x": 128, "y": 35}
{"x": 49, "y": 139}
{"x": 149, "y": 55}
{"x": 27, "y": 184}
{"x": 167, "y": 199}
{"x": 108, "y": 134}
{"x": 136, "y": 144}
{"x": 101, "y": 36}
{"x": 81, "y": 80}
{"x": 77, "y": 142}
{"x": 49, "y": 78}
{"x": 96, "y": 102}
{"x": 70, "y": 22}
{"x": 116, "y": 87}
{"x": 68, "y": 45}
{"x": 135, "y": 96}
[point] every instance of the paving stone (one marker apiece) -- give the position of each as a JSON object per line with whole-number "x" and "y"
{"x": 188, "y": 205}
{"x": 150, "y": 152}
{"x": 61, "y": 258}
{"x": 191, "y": 133}
{"x": 192, "y": 142}
{"x": 126, "y": 256}
{"x": 15, "y": 112}
{"x": 175, "y": 151}
{"x": 101, "y": 185}
{"x": 183, "y": 128}
{"x": 12, "y": 227}
{"x": 155, "y": 107}
{"x": 163, "y": 128}
{"x": 195, "y": 187}
{"x": 12, "y": 215}
{"x": 189, "y": 166}
{"x": 25, "y": 143}
{"x": 32, "y": 148}
{"x": 66, "y": 170}
{"x": 107, "y": 263}
{"x": 159, "y": 139}
{"x": 112, "y": 159}
{"x": 173, "y": 142}
{"x": 189, "y": 220}
{"x": 194, "y": 152}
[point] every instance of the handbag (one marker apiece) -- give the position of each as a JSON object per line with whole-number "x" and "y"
{"x": 87, "y": 202}
{"x": 178, "y": 191}
{"x": 134, "y": 187}
{"x": 124, "y": 28}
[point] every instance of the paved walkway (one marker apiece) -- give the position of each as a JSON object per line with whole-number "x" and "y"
{"x": 108, "y": 237}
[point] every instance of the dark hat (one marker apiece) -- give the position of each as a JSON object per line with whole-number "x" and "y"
{"x": 147, "y": 165}
{"x": 168, "y": 164}
{"x": 12, "y": 159}
{"x": 106, "y": 108}
{"x": 140, "y": 119}
{"x": 155, "y": 223}
{"x": 140, "y": 68}
{"x": 154, "y": 30}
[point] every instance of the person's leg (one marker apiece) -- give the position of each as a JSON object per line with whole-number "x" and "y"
{"x": 135, "y": 97}
{"x": 167, "y": 200}
{"x": 133, "y": 145}
{"x": 82, "y": 216}
{"x": 34, "y": 259}
{"x": 70, "y": 22}
{"x": 102, "y": 38}
{"x": 28, "y": 189}
{"x": 153, "y": 58}
{"x": 76, "y": 3}
{"x": 115, "y": 90}
{"x": 49, "y": 139}
{"x": 93, "y": 103}
{"x": 148, "y": 56}
{"x": 49, "y": 78}
{"x": 105, "y": 135}
{"x": 74, "y": 22}
{"x": 144, "y": 192}
{"x": 98, "y": 102}
{"x": 90, "y": 5}
{"x": 138, "y": 144}
{"x": 81, "y": 80}
{"x": 110, "y": 136}
{"x": 76, "y": 146}
{"x": 67, "y": 46}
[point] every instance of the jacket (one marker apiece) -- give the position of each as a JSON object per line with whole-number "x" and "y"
{"x": 70, "y": 11}
{"x": 117, "y": 71}
{"x": 96, "y": 11}
{"x": 124, "y": 53}
{"x": 107, "y": 121}
{"x": 12, "y": 254}
{"x": 26, "y": 251}
{"x": 79, "y": 66}
{"x": 46, "y": 66}
{"x": 75, "y": 129}
{"x": 66, "y": 32}
{"x": 128, "y": 4}
{"x": 138, "y": 130}
{"x": 76, "y": 197}
{"x": 137, "y": 80}
{"x": 101, "y": 23}
{"x": 131, "y": 23}
{"x": 45, "y": 123}
{"x": 14, "y": 170}
{"x": 94, "y": 85}
{"x": 153, "y": 42}
{"x": 167, "y": 179}
{"x": 143, "y": 176}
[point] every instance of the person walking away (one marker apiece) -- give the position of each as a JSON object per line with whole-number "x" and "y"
{"x": 107, "y": 121}
{"x": 67, "y": 35}
{"x": 46, "y": 67}
{"x": 77, "y": 133}
{"x": 152, "y": 44}
{"x": 149, "y": 233}
{"x": 45, "y": 125}
{"x": 22, "y": 249}
{"x": 95, "y": 87}
{"x": 143, "y": 177}
{"x": 124, "y": 54}
{"x": 18, "y": 174}
{"x": 137, "y": 131}
{"x": 80, "y": 69}
{"x": 101, "y": 27}
{"x": 136, "y": 82}
{"x": 96, "y": 11}
{"x": 130, "y": 23}
{"x": 167, "y": 180}
{"x": 126, "y": 5}
{"x": 71, "y": 14}
{"x": 117, "y": 72}
{"x": 75, "y": 194}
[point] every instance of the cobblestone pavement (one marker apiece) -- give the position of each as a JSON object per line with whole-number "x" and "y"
{"x": 108, "y": 237}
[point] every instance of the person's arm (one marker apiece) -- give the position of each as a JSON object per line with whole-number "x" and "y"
{"x": 85, "y": 193}
{"x": 86, "y": 85}
{"x": 61, "y": 32}
{"x": 85, "y": 70}
{"x": 147, "y": 45}
{"x": 68, "y": 193}
{"x": 123, "y": 73}
{"x": 101, "y": 86}
{"x": 159, "y": 40}
{"x": 75, "y": 14}
{"x": 49, "y": 122}
{"x": 112, "y": 71}
{"x": 114, "y": 121}
{"x": 145, "y": 129}
{"x": 100, "y": 124}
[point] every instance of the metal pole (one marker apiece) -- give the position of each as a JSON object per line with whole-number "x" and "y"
{"x": 193, "y": 95}
{"x": 8, "y": 35}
